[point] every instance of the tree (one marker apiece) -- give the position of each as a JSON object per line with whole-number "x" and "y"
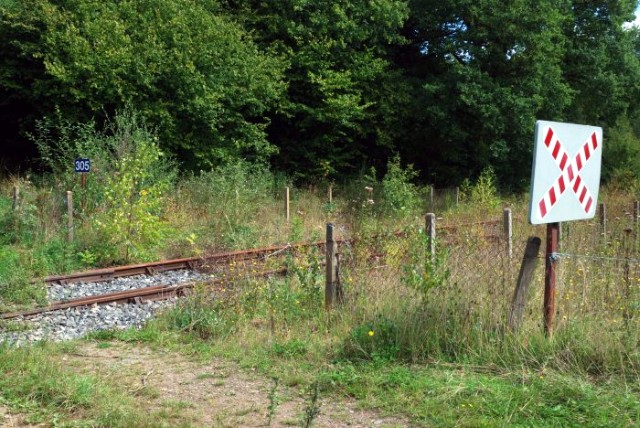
{"x": 337, "y": 111}
{"x": 187, "y": 69}
{"x": 601, "y": 65}
{"x": 486, "y": 69}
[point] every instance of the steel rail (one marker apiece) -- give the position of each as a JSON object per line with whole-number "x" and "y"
{"x": 106, "y": 274}
{"x": 151, "y": 268}
{"x": 157, "y": 292}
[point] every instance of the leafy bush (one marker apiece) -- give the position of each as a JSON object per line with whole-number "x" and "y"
{"x": 60, "y": 142}
{"x": 124, "y": 191}
{"x": 484, "y": 192}
{"x": 373, "y": 340}
{"x": 132, "y": 219}
{"x": 400, "y": 194}
{"x": 422, "y": 271}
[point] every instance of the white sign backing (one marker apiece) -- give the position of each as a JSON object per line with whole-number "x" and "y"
{"x": 565, "y": 178}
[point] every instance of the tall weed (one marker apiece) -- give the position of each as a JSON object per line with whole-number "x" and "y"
{"x": 483, "y": 193}
{"x": 227, "y": 200}
{"x": 400, "y": 194}
{"x": 131, "y": 220}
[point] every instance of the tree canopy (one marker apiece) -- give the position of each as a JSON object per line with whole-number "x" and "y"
{"x": 191, "y": 72}
{"x": 326, "y": 88}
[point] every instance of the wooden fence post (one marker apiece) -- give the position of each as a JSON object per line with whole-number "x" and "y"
{"x": 525, "y": 276}
{"x": 626, "y": 314}
{"x": 330, "y": 195}
{"x": 636, "y": 214}
{"x": 457, "y": 196}
{"x": 431, "y": 235}
{"x": 508, "y": 230}
{"x": 333, "y": 289}
{"x": 286, "y": 204}
{"x": 602, "y": 210}
{"x": 550, "y": 272}
{"x": 431, "y": 196}
{"x": 69, "y": 216}
{"x": 368, "y": 194}
{"x": 16, "y": 197}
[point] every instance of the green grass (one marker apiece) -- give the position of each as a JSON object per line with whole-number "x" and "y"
{"x": 36, "y": 381}
{"x": 460, "y": 396}
{"x": 432, "y": 393}
{"x": 512, "y": 381}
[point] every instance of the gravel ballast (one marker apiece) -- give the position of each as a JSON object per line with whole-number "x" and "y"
{"x": 73, "y": 323}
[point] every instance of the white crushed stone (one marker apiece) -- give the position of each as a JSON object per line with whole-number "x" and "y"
{"x": 73, "y": 323}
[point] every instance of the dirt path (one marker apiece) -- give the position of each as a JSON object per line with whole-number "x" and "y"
{"x": 217, "y": 393}
{"x": 9, "y": 419}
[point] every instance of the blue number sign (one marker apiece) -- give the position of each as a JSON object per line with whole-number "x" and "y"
{"x": 83, "y": 165}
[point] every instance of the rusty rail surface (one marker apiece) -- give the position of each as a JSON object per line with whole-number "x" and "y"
{"x": 166, "y": 291}
{"x": 106, "y": 274}
{"x": 157, "y": 292}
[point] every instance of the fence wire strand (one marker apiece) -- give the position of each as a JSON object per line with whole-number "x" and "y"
{"x": 597, "y": 273}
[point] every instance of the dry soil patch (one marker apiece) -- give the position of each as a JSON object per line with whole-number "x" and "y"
{"x": 216, "y": 393}
{"x": 10, "y": 419}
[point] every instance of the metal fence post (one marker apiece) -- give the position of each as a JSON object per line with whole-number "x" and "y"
{"x": 550, "y": 277}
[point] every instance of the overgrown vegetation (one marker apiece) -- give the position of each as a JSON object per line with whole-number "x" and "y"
{"x": 416, "y": 333}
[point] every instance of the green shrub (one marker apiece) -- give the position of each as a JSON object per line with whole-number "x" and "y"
{"x": 373, "y": 340}
{"x": 130, "y": 222}
{"x": 206, "y": 317}
{"x": 19, "y": 226}
{"x": 15, "y": 276}
{"x": 422, "y": 271}
{"x": 290, "y": 349}
{"x": 400, "y": 194}
{"x": 123, "y": 198}
{"x": 484, "y": 192}
{"x": 60, "y": 142}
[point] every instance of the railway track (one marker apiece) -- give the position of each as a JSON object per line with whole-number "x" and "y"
{"x": 191, "y": 263}
{"x": 218, "y": 270}
{"x": 216, "y": 263}
{"x": 139, "y": 295}
{"x": 71, "y": 318}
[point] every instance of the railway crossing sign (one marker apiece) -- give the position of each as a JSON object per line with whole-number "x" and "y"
{"x": 565, "y": 177}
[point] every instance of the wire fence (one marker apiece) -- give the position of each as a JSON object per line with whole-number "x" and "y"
{"x": 476, "y": 267}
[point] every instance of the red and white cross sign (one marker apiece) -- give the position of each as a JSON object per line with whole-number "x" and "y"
{"x": 566, "y": 173}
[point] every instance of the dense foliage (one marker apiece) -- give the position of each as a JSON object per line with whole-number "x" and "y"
{"x": 327, "y": 88}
